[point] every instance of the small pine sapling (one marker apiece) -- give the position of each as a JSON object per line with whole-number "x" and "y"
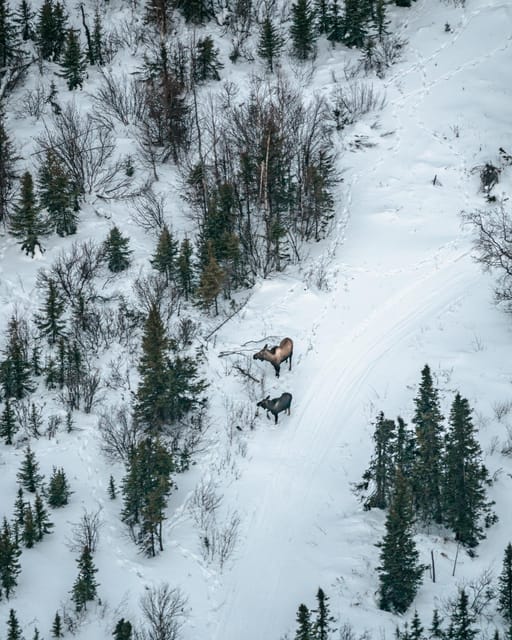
{"x": 112, "y": 488}
{"x": 58, "y": 489}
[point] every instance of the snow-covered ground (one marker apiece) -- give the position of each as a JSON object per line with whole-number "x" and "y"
{"x": 402, "y": 290}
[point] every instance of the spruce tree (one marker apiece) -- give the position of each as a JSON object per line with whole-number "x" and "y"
{"x": 58, "y": 489}
{"x": 8, "y": 173}
{"x": 28, "y": 475}
{"x": 403, "y": 3}
{"x": 9, "y": 561}
{"x": 19, "y": 509}
{"x": 505, "y": 586}
{"x": 112, "y": 488}
{"x": 15, "y": 368}
{"x": 462, "y": 620}
{"x": 42, "y": 522}
{"x": 26, "y": 223}
{"x": 210, "y": 282}
{"x": 380, "y": 475}
{"x": 185, "y": 272}
{"x": 24, "y": 20}
{"x": 323, "y": 625}
{"x": 85, "y": 588}
{"x": 165, "y": 258}
{"x": 270, "y": 43}
{"x": 465, "y": 478}
{"x": 356, "y": 21}
{"x": 206, "y": 63}
{"x": 57, "y": 195}
{"x": 336, "y": 24}
{"x": 36, "y": 635}
{"x": 116, "y": 251}
{"x": 304, "y": 631}
{"x": 57, "y": 631}
{"x": 302, "y": 30}
{"x": 404, "y": 450}
{"x": 51, "y": 30}
{"x": 73, "y": 61}
{"x": 416, "y": 632}
{"x": 13, "y": 627}
{"x": 29, "y": 533}
{"x": 322, "y": 16}
{"x": 400, "y": 573}
{"x": 8, "y": 423}
{"x": 381, "y": 21}
{"x": 436, "y": 631}
{"x": 98, "y": 45}
{"x": 123, "y": 630}
{"x": 50, "y": 320}
{"x": 8, "y": 36}
{"x": 427, "y": 480}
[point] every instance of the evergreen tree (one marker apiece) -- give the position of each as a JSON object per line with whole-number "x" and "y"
{"x": 185, "y": 273}
{"x": 85, "y": 588}
{"x": 73, "y": 62}
{"x": 505, "y": 586}
{"x": 416, "y": 632}
{"x": 403, "y": 3}
{"x": 42, "y": 522}
{"x": 26, "y": 223}
{"x": 8, "y": 173}
{"x": 35, "y": 421}
{"x": 322, "y": 16}
{"x": 322, "y": 627}
{"x": 429, "y": 452}
{"x": 29, "y": 533}
{"x": 304, "y": 631}
{"x": 8, "y": 423}
{"x": 123, "y": 630}
{"x": 15, "y": 369}
{"x": 462, "y": 620}
{"x": 8, "y": 37}
{"x": 58, "y": 488}
{"x": 381, "y": 22}
{"x": 270, "y": 43}
{"x": 302, "y": 30}
{"x": 19, "y": 509}
{"x": 37, "y": 635}
{"x": 404, "y": 452}
{"x": 13, "y": 627}
{"x": 356, "y": 21}
{"x": 9, "y": 561}
{"x": 57, "y": 194}
{"x": 24, "y": 20}
{"x": 57, "y": 631}
{"x": 196, "y": 11}
{"x": 400, "y": 573}
{"x": 28, "y": 475}
{"x": 210, "y": 282}
{"x": 49, "y": 320}
{"x": 98, "y": 45}
{"x": 465, "y": 478}
{"x": 436, "y": 629}
{"x": 166, "y": 255}
{"x": 112, "y": 488}
{"x": 116, "y": 252}
{"x": 51, "y": 30}
{"x": 381, "y": 472}
{"x": 336, "y": 31}
{"x": 206, "y": 64}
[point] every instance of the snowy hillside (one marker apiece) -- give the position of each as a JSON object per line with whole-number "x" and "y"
{"x": 399, "y": 288}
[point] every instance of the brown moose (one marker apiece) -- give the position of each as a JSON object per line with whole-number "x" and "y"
{"x": 276, "y": 405}
{"x": 277, "y": 354}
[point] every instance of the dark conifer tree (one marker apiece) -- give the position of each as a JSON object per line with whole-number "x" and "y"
{"x": 13, "y": 627}
{"x": 9, "y": 561}
{"x": 116, "y": 251}
{"x": 336, "y": 23}
{"x": 323, "y": 625}
{"x": 58, "y": 488}
{"x": 322, "y": 16}
{"x": 400, "y": 573}
{"x": 429, "y": 452}
{"x": 26, "y": 223}
{"x": 185, "y": 271}
{"x": 436, "y": 631}
{"x": 29, "y": 533}
{"x": 210, "y": 282}
{"x": 462, "y": 620}
{"x": 302, "y": 30}
{"x": 112, "y": 488}
{"x": 8, "y": 173}
{"x": 42, "y": 522}
{"x": 24, "y": 19}
{"x": 28, "y": 475}
{"x": 416, "y": 632}
{"x": 15, "y": 368}
{"x": 380, "y": 475}
{"x": 51, "y": 30}
{"x": 57, "y": 195}
{"x": 206, "y": 64}
{"x": 403, "y": 3}
{"x": 304, "y": 631}
{"x": 465, "y": 478}
{"x": 85, "y": 588}
{"x": 35, "y": 420}
{"x": 36, "y": 635}
{"x": 196, "y": 11}
{"x": 8, "y": 36}
{"x": 356, "y": 22}
{"x": 98, "y": 45}
{"x": 8, "y": 423}
{"x": 123, "y": 630}
{"x": 49, "y": 320}
{"x": 73, "y": 61}
{"x": 381, "y": 21}
{"x": 270, "y": 43}
{"x": 505, "y": 586}
{"x": 404, "y": 450}
{"x": 165, "y": 258}
{"x": 19, "y": 509}
{"x": 57, "y": 631}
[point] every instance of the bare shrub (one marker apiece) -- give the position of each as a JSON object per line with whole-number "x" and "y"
{"x": 86, "y": 532}
{"x": 502, "y": 409}
{"x": 205, "y": 503}
{"x": 148, "y": 212}
{"x": 186, "y": 332}
{"x": 29, "y": 417}
{"x": 33, "y": 103}
{"x": 218, "y": 542}
{"x": 119, "y": 433}
{"x": 107, "y": 325}
{"x": 317, "y": 275}
{"x": 353, "y": 101}
{"x": 164, "y": 611}
{"x": 154, "y": 290}
{"x": 121, "y": 98}
{"x": 80, "y": 388}
{"x": 83, "y": 145}
{"x": 506, "y": 448}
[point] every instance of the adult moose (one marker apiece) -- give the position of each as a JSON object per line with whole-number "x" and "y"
{"x": 276, "y": 405}
{"x": 277, "y": 354}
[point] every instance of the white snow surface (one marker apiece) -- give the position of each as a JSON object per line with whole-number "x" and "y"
{"x": 403, "y": 290}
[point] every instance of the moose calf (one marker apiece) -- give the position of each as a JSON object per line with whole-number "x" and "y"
{"x": 276, "y": 405}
